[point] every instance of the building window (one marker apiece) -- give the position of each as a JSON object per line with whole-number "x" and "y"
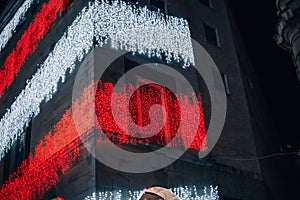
{"x": 144, "y": 83}
{"x": 18, "y": 152}
{"x": 159, "y": 5}
{"x": 226, "y": 84}
{"x": 133, "y": 1}
{"x": 211, "y": 35}
{"x": 207, "y": 3}
{"x": 250, "y": 83}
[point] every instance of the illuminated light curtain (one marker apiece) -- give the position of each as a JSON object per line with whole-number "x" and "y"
{"x": 29, "y": 41}
{"x": 184, "y": 193}
{"x": 57, "y": 151}
{"x": 148, "y": 98}
{"x": 11, "y": 26}
{"x": 93, "y": 22}
{"x": 143, "y": 31}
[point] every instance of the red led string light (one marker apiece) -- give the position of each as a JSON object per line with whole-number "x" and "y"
{"x": 53, "y": 155}
{"x": 29, "y": 41}
{"x": 147, "y": 97}
{"x": 60, "y": 147}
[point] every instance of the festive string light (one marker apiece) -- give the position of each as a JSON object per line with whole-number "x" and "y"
{"x": 40, "y": 172}
{"x": 184, "y": 193}
{"x": 148, "y": 95}
{"x": 56, "y": 152}
{"x": 29, "y": 41}
{"x": 93, "y": 22}
{"x": 71, "y": 47}
{"x": 11, "y": 26}
{"x": 143, "y": 31}
{"x": 52, "y": 156}
{"x": 132, "y": 28}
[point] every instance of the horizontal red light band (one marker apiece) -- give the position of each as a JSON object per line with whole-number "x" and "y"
{"x": 141, "y": 117}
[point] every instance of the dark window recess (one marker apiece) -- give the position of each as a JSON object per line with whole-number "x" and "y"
{"x": 133, "y": 1}
{"x": 6, "y": 169}
{"x": 207, "y": 3}
{"x": 211, "y": 35}
{"x": 298, "y": 73}
{"x": 250, "y": 83}
{"x": 159, "y": 5}
{"x": 227, "y": 198}
{"x": 226, "y": 84}
{"x": 17, "y": 154}
{"x": 23, "y": 147}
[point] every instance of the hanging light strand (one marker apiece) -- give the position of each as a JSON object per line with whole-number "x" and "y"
{"x": 101, "y": 21}
{"x": 183, "y": 193}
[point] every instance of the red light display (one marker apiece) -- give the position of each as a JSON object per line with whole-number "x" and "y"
{"x": 139, "y": 105}
{"x": 60, "y": 147}
{"x": 40, "y": 171}
{"x": 53, "y": 155}
{"x": 29, "y": 41}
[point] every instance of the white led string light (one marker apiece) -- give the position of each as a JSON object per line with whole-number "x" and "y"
{"x": 183, "y": 193}
{"x": 143, "y": 31}
{"x": 101, "y": 21}
{"x": 10, "y": 28}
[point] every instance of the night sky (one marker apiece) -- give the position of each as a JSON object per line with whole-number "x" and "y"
{"x": 274, "y": 67}
{"x": 276, "y": 73}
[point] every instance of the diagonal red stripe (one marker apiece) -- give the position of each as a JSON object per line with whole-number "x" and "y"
{"x": 29, "y": 41}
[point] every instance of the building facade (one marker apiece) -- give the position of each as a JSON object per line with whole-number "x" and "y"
{"x": 43, "y": 46}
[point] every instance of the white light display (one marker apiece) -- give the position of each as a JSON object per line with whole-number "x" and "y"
{"x": 143, "y": 31}
{"x": 100, "y": 21}
{"x": 10, "y": 28}
{"x": 183, "y": 193}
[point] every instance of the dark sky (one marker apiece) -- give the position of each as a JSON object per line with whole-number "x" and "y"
{"x": 275, "y": 70}
{"x": 274, "y": 66}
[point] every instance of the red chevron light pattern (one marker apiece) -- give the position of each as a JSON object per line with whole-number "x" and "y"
{"x": 28, "y": 43}
{"x": 60, "y": 147}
